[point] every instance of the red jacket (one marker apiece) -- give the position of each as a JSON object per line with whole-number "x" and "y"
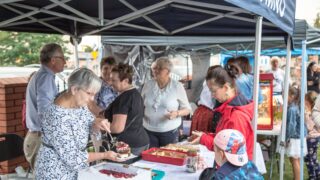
{"x": 236, "y": 113}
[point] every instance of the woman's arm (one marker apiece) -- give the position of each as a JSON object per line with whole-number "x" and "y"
{"x": 95, "y": 156}
{"x": 94, "y": 108}
{"x": 178, "y": 113}
{"x": 118, "y": 123}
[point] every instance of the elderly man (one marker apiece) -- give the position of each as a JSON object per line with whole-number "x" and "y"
{"x": 278, "y": 75}
{"x": 40, "y": 93}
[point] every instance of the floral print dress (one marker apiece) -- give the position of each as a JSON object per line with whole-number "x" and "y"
{"x": 65, "y": 135}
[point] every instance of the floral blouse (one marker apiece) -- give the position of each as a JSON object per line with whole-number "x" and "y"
{"x": 105, "y": 96}
{"x": 65, "y": 135}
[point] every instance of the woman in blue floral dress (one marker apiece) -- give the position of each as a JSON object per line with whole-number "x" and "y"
{"x": 66, "y": 126}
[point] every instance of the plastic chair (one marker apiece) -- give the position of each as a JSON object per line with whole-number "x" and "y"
{"x": 11, "y": 146}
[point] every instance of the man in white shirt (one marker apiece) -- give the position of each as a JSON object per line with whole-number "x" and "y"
{"x": 278, "y": 75}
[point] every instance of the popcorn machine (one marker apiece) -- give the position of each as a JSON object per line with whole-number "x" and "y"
{"x": 265, "y": 109}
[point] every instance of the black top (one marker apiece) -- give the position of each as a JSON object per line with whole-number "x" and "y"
{"x": 130, "y": 103}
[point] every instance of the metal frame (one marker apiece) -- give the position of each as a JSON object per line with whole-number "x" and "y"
{"x": 104, "y": 24}
{"x": 39, "y": 21}
{"x": 132, "y": 16}
{"x": 9, "y": 1}
{"x": 145, "y": 17}
{"x": 76, "y": 12}
{"x": 285, "y": 107}
{"x": 256, "y": 81}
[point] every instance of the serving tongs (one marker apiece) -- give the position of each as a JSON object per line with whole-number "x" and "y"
{"x": 108, "y": 142}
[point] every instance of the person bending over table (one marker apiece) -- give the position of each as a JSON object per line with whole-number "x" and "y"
{"x": 126, "y": 112}
{"x": 236, "y": 111}
{"x": 165, "y": 102}
{"x": 66, "y": 126}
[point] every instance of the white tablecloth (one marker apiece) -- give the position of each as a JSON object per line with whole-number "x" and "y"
{"x": 179, "y": 172}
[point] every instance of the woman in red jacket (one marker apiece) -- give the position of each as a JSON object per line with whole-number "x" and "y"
{"x": 236, "y": 112}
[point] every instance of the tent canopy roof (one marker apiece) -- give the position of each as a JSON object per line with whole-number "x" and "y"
{"x": 302, "y": 31}
{"x": 146, "y": 18}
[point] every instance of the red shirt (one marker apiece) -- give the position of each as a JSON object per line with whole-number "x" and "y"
{"x": 233, "y": 117}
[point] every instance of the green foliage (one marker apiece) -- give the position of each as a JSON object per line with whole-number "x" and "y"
{"x": 317, "y": 21}
{"x": 88, "y": 49}
{"x": 19, "y": 49}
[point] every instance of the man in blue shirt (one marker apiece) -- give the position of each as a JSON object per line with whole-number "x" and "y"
{"x": 40, "y": 93}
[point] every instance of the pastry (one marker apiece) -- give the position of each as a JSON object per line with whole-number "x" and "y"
{"x": 123, "y": 149}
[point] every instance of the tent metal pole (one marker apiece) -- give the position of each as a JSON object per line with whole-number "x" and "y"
{"x": 303, "y": 92}
{"x": 218, "y": 13}
{"x": 37, "y": 20}
{"x": 133, "y": 15}
{"x": 285, "y": 107}
{"x": 9, "y": 1}
{"x": 145, "y": 17}
{"x": 73, "y": 18}
{"x": 29, "y": 14}
{"x": 201, "y": 22}
{"x": 71, "y": 9}
{"x": 75, "y": 43}
{"x": 256, "y": 81}
{"x": 313, "y": 41}
{"x": 31, "y": 21}
{"x": 210, "y": 5}
{"x": 101, "y": 12}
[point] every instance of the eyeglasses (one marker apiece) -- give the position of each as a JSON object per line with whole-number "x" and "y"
{"x": 88, "y": 93}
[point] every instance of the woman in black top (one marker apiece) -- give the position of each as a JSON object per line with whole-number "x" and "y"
{"x": 126, "y": 112}
{"x": 313, "y": 77}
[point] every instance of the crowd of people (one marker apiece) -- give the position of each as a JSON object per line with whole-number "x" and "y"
{"x": 59, "y": 124}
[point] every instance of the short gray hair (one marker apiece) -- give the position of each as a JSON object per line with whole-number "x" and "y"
{"x": 164, "y": 62}
{"x": 84, "y": 78}
{"x": 48, "y": 51}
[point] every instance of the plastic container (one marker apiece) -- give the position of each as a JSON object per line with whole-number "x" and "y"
{"x": 146, "y": 155}
{"x": 192, "y": 161}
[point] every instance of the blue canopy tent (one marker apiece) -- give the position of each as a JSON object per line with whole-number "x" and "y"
{"x": 224, "y": 56}
{"x": 183, "y": 18}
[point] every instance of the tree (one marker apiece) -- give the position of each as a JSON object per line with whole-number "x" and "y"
{"x": 20, "y": 49}
{"x": 317, "y": 21}
{"x": 88, "y": 49}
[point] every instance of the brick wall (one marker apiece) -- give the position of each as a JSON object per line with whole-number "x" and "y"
{"x": 12, "y": 93}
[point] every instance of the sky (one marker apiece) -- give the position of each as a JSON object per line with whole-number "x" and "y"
{"x": 307, "y": 9}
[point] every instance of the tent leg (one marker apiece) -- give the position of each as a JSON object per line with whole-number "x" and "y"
{"x": 75, "y": 42}
{"x": 256, "y": 81}
{"x": 303, "y": 92}
{"x": 285, "y": 107}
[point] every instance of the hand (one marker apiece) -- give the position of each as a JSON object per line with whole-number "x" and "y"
{"x": 198, "y": 135}
{"x": 102, "y": 124}
{"x": 110, "y": 155}
{"x": 172, "y": 115}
